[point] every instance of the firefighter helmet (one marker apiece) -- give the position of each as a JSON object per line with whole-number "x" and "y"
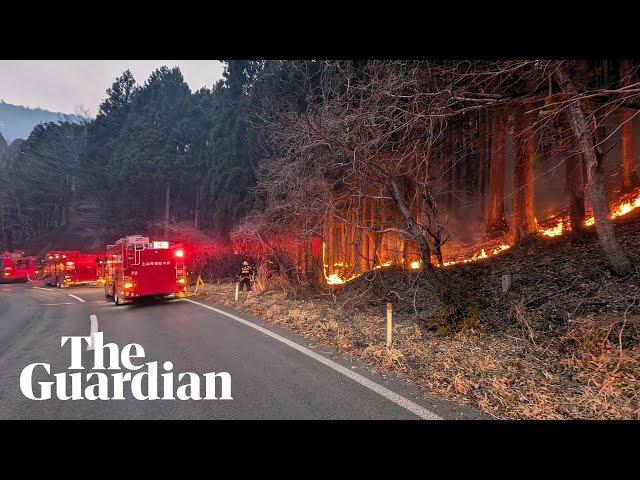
{"x": 245, "y": 263}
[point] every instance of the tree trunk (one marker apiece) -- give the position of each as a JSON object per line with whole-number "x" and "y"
{"x": 423, "y": 245}
{"x": 593, "y": 159}
{"x": 329, "y": 245}
{"x": 482, "y": 162}
{"x": 351, "y": 234}
{"x": 373, "y": 237}
{"x": 364, "y": 237}
{"x": 196, "y": 213}
{"x": 496, "y": 223}
{"x": 629, "y": 177}
{"x": 167, "y": 196}
{"x": 524, "y": 220}
{"x": 574, "y": 187}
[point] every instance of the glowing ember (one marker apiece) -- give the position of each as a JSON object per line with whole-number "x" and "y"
{"x": 415, "y": 264}
{"x": 590, "y": 221}
{"x": 554, "y": 231}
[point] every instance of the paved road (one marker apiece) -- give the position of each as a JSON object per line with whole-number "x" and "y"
{"x": 275, "y": 375}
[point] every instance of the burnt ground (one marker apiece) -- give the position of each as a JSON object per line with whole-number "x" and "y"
{"x": 563, "y": 342}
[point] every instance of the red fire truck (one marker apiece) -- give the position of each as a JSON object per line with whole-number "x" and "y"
{"x": 16, "y": 267}
{"x": 136, "y": 267}
{"x": 64, "y": 268}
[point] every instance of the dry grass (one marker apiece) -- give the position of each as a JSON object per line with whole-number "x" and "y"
{"x": 582, "y": 374}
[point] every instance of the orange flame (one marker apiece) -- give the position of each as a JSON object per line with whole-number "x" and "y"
{"x": 623, "y": 206}
{"x": 554, "y": 231}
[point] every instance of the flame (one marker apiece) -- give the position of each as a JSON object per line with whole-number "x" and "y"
{"x": 623, "y": 206}
{"x": 554, "y": 231}
{"x": 626, "y": 207}
{"x": 334, "y": 278}
{"x": 384, "y": 264}
{"x": 500, "y": 248}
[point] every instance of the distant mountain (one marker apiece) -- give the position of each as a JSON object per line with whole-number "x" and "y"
{"x": 17, "y": 121}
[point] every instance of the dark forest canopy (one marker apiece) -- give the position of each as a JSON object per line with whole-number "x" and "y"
{"x": 369, "y": 156}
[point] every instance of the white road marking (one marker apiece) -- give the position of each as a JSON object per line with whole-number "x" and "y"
{"x": 362, "y": 380}
{"x": 94, "y": 329}
{"x": 65, "y": 303}
{"x": 45, "y": 289}
{"x": 77, "y": 298}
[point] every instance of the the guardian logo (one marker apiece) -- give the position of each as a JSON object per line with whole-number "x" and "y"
{"x": 109, "y": 382}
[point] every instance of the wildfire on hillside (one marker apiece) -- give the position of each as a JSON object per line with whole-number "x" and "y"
{"x": 625, "y": 204}
{"x": 559, "y": 226}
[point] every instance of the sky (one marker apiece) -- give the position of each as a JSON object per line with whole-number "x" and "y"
{"x": 68, "y": 85}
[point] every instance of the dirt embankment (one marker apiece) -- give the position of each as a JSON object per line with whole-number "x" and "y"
{"x": 563, "y": 342}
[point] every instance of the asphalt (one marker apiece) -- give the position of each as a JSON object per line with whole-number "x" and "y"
{"x": 270, "y": 378}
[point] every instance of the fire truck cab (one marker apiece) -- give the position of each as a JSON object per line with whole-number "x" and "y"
{"x": 137, "y": 268}
{"x": 16, "y": 267}
{"x": 67, "y": 268}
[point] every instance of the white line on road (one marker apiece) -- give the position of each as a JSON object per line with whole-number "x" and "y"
{"x": 77, "y": 298}
{"x": 364, "y": 381}
{"x": 94, "y": 329}
{"x": 46, "y": 289}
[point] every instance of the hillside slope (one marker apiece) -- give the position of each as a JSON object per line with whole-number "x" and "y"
{"x": 564, "y": 342}
{"x": 17, "y": 121}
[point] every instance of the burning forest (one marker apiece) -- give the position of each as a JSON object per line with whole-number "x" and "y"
{"x": 471, "y": 225}
{"x": 425, "y": 165}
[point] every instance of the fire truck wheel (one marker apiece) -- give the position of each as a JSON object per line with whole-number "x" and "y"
{"x": 106, "y": 294}
{"x": 58, "y": 282}
{"x": 116, "y": 299}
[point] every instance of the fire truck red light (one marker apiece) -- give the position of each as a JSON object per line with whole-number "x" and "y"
{"x": 179, "y": 253}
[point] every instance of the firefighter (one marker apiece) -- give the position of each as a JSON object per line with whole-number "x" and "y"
{"x": 246, "y": 276}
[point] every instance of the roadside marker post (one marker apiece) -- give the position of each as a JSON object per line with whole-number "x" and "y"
{"x": 389, "y": 324}
{"x": 199, "y": 282}
{"x": 506, "y": 282}
{"x": 237, "y": 290}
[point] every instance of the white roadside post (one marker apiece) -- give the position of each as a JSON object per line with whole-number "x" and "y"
{"x": 389, "y": 324}
{"x": 506, "y": 282}
{"x": 237, "y": 290}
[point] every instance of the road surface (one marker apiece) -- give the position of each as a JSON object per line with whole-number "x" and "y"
{"x": 275, "y": 375}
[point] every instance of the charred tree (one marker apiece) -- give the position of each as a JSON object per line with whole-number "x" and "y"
{"x": 629, "y": 177}
{"x": 524, "y": 220}
{"x": 496, "y": 222}
{"x": 415, "y": 230}
{"x": 364, "y": 236}
{"x": 574, "y": 188}
{"x": 593, "y": 157}
{"x": 167, "y": 198}
{"x": 329, "y": 244}
{"x": 196, "y": 212}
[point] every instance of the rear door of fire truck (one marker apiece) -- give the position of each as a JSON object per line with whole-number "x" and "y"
{"x": 113, "y": 268}
{"x": 160, "y": 271}
{"x": 6, "y": 266}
